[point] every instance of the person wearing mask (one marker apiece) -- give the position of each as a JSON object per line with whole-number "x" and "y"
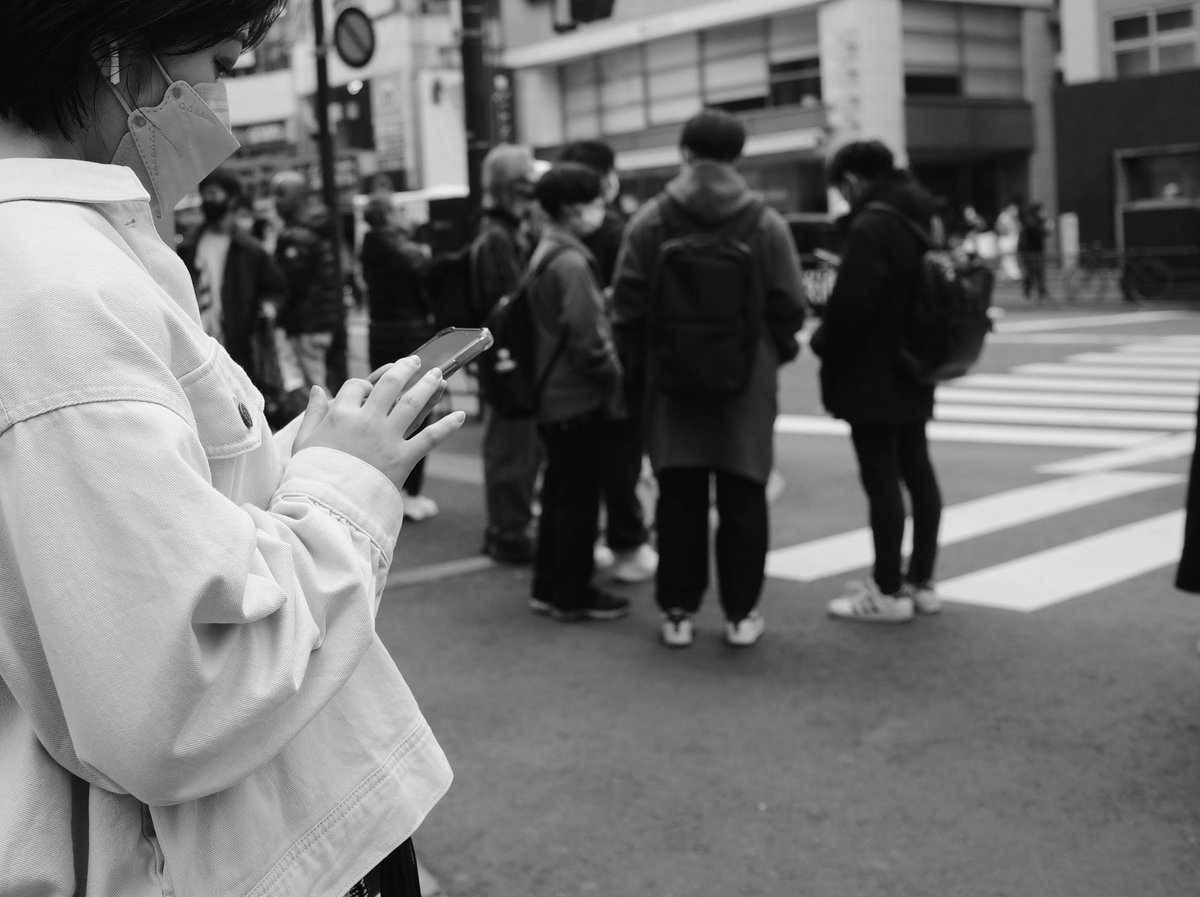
{"x": 861, "y": 334}
{"x": 721, "y": 444}
{"x": 401, "y": 318}
{"x": 305, "y": 250}
{"x": 193, "y": 698}
{"x": 237, "y": 282}
{"x": 511, "y": 452}
{"x": 626, "y": 554}
{"x": 581, "y": 393}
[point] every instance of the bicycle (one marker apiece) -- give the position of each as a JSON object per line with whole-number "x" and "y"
{"x": 1139, "y": 276}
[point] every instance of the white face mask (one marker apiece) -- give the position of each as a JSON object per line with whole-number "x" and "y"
{"x": 171, "y": 147}
{"x": 591, "y": 218}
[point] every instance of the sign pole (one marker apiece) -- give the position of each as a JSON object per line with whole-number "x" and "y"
{"x": 477, "y": 104}
{"x": 329, "y": 189}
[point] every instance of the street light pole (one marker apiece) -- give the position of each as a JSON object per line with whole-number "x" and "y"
{"x": 477, "y": 103}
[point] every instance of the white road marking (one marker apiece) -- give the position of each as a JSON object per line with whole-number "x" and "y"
{"x": 1150, "y": 360}
{"x": 1068, "y": 417}
{"x": 1017, "y": 381}
{"x": 1067, "y": 571}
{"x": 989, "y": 434}
{"x": 1039, "y": 325}
{"x": 434, "y": 572}
{"x": 1040, "y": 369}
{"x": 1152, "y": 451}
{"x": 970, "y": 395}
{"x": 853, "y": 550}
{"x": 1160, "y": 348}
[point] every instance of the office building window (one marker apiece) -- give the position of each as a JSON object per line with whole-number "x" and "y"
{"x": 622, "y": 91}
{"x": 672, "y": 78}
{"x": 1147, "y": 43}
{"x": 794, "y": 57}
{"x": 734, "y": 66}
{"x": 581, "y": 99}
{"x": 958, "y": 49}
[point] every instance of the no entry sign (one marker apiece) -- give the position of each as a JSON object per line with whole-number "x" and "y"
{"x": 354, "y": 37}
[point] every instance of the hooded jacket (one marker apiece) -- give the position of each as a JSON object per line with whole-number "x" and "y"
{"x": 862, "y": 329}
{"x": 735, "y": 434}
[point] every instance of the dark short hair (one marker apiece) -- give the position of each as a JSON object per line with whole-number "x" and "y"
{"x": 593, "y": 153}
{"x": 715, "y": 135}
{"x": 866, "y": 158}
{"x": 378, "y": 209}
{"x": 567, "y": 183}
{"x": 227, "y": 181}
{"x": 49, "y": 47}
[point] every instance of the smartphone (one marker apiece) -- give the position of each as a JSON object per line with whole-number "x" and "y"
{"x": 449, "y": 349}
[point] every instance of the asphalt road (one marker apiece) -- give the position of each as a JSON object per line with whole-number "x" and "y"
{"x": 1037, "y": 739}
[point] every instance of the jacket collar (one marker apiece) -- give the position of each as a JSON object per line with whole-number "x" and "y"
{"x": 69, "y": 180}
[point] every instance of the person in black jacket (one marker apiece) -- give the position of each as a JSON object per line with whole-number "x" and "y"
{"x": 401, "y": 317}
{"x": 236, "y": 280}
{"x": 861, "y": 382}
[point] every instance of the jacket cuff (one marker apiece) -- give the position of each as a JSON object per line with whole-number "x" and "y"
{"x": 350, "y": 488}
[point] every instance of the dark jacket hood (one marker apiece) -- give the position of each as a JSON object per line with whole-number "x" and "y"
{"x": 710, "y": 191}
{"x": 901, "y": 190}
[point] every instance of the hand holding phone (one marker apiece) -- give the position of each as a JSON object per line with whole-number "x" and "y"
{"x": 449, "y": 349}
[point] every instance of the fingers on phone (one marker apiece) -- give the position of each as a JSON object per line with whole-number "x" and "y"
{"x": 440, "y": 430}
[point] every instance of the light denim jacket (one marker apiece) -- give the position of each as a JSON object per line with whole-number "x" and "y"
{"x": 193, "y": 700}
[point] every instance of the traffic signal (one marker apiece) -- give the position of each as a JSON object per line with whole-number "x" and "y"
{"x": 591, "y": 10}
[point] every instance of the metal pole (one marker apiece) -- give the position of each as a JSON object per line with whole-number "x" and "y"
{"x": 329, "y": 189}
{"x": 477, "y": 99}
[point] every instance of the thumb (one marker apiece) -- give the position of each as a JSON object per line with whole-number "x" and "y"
{"x": 318, "y": 406}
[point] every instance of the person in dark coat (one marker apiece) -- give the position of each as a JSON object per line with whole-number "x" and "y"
{"x": 861, "y": 382}
{"x": 729, "y": 441}
{"x": 236, "y": 280}
{"x": 1187, "y": 575}
{"x": 626, "y": 554}
{"x": 577, "y": 362}
{"x": 401, "y": 316}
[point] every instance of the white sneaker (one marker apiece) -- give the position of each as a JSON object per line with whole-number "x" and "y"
{"x": 924, "y": 597}
{"x": 864, "y": 603}
{"x": 677, "y": 629}
{"x": 603, "y": 558}
{"x": 638, "y": 565}
{"x": 419, "y": 507}
{"x": 746, "y": 631}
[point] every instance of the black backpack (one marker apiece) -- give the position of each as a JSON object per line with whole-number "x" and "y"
{"x": 705, "y": 314}
{"x": 949, "y": 323}
{"x": 508, "y": 371}
{"x": 448, "y": 285}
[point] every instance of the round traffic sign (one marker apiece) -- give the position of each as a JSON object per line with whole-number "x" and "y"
{"x": 354, "y": 37}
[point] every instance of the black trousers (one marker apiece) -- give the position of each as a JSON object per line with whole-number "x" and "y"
{"x": 621, "y": 468}
{"x": 889, "y": 457}
{"x": 682, "y": 524}
{"x": 564, "y": 562}
{"x": 396, "y": 876}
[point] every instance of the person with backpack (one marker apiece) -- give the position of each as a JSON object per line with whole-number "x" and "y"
{"x": 580, "y": 392}
{"x": 625, "y": 554}
{"x": 498, "y": 255}
{"x": 863, "y": 381}
{"x": 707, "y": 301}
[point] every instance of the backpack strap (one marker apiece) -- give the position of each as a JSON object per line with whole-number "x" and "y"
{"x": 925, "y": 238}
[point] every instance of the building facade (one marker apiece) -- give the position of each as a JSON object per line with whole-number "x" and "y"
{"x": 960, "y": 90}
{"x": 1129, "y": 138}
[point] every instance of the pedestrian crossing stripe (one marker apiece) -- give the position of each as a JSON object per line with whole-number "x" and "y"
{"x": 1047, "y": 369}
{"x": 1098, "y": 385}
{"x": 1151, "y": 451}
{"x": 1078, "y": 568}
{"x": 853, "y": 550}
{"x": 988, "y": 434}
{"x": 969, "y": 394}
{"x": 1191, "y": 362}
{"x": 1042, "y": 325}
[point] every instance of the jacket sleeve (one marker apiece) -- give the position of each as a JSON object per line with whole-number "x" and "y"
{"x": 496, "y": 269}
{"x": 584, "y": 318}
{"x": 856, "y": 304}
{"x": 784, "y": 299}
{"x": 187, "y": 639}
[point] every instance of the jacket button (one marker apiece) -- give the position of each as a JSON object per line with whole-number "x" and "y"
{"x": 245, "y": 413}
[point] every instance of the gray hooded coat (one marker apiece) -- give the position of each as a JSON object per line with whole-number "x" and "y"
{"x": 737, "y": 434}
